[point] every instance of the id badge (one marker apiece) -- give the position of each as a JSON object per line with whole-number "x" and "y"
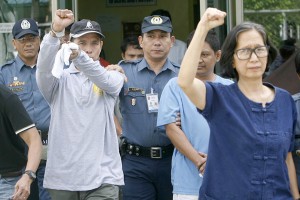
{"x": 152, "y": 102}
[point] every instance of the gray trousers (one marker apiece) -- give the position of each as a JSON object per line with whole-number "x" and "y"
{"x": 104, "y": 192}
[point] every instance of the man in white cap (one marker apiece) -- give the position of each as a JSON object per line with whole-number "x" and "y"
{"x": 83, "y": 156}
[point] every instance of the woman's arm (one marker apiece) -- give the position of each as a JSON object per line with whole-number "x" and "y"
{"x": 192, "y": 87}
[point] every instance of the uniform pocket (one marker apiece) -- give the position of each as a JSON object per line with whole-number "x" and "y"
{"x": 135, "y": 102}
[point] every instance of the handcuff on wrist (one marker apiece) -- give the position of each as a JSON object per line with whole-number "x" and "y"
{"x": 58, "y": 34}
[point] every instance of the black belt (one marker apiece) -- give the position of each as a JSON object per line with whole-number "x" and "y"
{"x": 150, "y": 152}
{"x": 297, "y": 136}
{"x": 11, "y": 174}
{"x": 44, "y": 136}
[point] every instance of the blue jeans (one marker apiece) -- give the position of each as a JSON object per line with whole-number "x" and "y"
{"x": 7, "y": 187}
{"x": 43, "y": 193}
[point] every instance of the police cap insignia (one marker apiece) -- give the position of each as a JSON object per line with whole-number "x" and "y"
{"x": 24, "y": 27}
{"x": 156, "y": 22}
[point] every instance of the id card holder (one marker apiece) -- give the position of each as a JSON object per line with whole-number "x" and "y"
{"x": 152, "y": 102}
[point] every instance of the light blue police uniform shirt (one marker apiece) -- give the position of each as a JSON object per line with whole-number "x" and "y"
{"x": 185, "y": 178}
{"x": 139, "y": 126}
{"x": 20, "y": 79}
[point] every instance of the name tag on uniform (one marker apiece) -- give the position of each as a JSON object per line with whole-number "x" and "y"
{"x": 132, "y": 89}
{"x": 152, "y": 102}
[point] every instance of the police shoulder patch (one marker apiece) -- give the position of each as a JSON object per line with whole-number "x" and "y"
{"x": 123, "y": 62}
{"x": 175, "y": 64}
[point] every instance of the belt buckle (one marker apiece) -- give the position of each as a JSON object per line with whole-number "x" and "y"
{"x": 156, "y": 152}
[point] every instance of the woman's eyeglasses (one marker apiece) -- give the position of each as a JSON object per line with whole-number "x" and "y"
{"x": 246, "y": 53}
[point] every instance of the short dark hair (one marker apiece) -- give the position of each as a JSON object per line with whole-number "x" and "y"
{"x": 230, "y": 43}
{"x": 130, "y": 41}
{"x": 211, "y": 38}
{"x": 162, "y": 12}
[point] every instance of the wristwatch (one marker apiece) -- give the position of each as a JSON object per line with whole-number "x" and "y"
{"x": 31, "y": 174}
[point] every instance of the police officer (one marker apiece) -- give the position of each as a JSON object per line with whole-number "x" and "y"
{"x": 19, "y": 76}
{"x": 179, "y": 47}
{"x": 148, "y": 151}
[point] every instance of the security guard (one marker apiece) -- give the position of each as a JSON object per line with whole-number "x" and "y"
{"x": 19, "y": 76}
{"x": 148, "y": 151}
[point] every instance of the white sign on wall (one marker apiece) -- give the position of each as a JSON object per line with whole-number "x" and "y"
{"x": 6, "y": 27}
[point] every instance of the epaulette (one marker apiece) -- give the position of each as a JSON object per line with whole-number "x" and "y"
{"x": 7, "y": 63}
{"x": 175, "y": 64}
{"x": 125, "y": 62}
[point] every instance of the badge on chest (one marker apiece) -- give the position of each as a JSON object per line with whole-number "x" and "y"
{"x": 152, "y": 101}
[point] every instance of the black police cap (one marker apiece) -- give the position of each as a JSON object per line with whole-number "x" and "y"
{"x": 156, "y": 22}
{"x": 24, "y": 27}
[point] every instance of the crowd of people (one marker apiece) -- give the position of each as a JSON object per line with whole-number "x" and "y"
{"x": 149, "y": 127}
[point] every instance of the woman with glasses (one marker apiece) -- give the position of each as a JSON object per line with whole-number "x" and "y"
{"x": 251, "y": 122}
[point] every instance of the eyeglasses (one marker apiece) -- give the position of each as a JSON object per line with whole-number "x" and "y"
{"x": 246, "y": 53}
{"x": 24, "y": 40}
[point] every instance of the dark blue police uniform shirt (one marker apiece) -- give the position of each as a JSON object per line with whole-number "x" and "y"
{"x": 21, "y": 80}
{"x": 248, "y": 145}
{"x": 139, "y": 126}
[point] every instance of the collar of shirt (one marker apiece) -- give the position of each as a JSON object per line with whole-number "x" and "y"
{"x": 20, "y": 64}
{"x": 168, "y": 65}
